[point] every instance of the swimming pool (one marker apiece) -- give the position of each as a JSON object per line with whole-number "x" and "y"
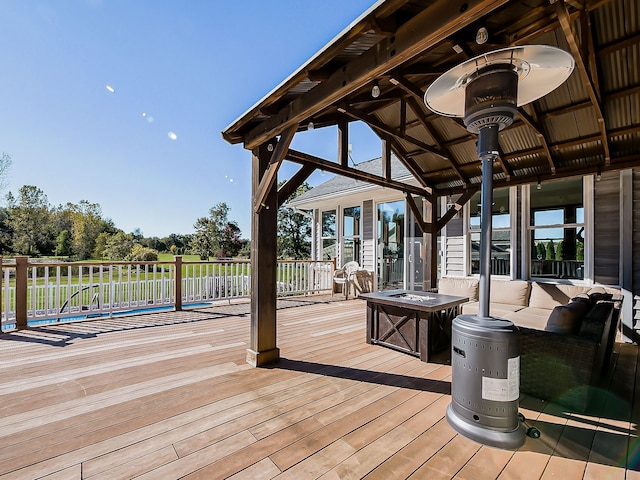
{"x": 119, "y": 313}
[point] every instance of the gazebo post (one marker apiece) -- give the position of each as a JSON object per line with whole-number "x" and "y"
{"x": 263, "y": 349}
{"x": 430, "y": 266}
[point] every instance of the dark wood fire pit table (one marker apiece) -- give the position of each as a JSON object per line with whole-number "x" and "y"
{"x": 417, "y": 323}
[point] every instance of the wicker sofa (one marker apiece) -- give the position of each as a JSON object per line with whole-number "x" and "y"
{"x": 566, "y": 332}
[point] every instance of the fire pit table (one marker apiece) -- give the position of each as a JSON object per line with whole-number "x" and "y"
{"x": 417, "y": 323}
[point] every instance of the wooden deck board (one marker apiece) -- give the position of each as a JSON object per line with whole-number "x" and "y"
{"x": 168, "y": 395}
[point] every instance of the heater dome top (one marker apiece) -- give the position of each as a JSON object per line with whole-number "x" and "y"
{"x": 540, "y": 68}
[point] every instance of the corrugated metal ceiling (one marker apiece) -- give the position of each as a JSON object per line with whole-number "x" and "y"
{"x": 565, "y": 122}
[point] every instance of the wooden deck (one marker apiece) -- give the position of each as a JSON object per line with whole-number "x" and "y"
{"x": 169, "y": 395}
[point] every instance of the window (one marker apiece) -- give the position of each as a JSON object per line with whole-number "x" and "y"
{"x": 556, "y": 229}
{"x": 351, "y": 234}
{"x": 329, "y": 235}
{"x": 500, "y": 235}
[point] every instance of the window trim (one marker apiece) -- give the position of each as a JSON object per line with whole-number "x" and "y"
{"x": 376, "y": 212}
{"x": 356, "y": 236}
{"x": 336, "y": 211}
{"x": 587, "y": 204}
{"x": 513, "y": 236}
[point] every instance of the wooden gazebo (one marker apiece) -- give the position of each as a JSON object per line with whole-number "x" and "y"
{"x": 590, "y": 125}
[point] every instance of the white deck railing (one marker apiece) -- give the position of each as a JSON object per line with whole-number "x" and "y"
{"x": 43, "y": 292}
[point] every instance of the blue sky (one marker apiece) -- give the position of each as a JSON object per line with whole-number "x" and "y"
{"x": 190, "y": 67}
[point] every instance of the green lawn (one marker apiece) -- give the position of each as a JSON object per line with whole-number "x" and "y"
{"x": 168, "y": 257}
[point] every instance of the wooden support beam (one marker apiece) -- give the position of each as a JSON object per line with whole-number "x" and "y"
{"x": 407, "y": 161}
{"x": 332, "y": 167}
{"x": 343, "y": 143}
{"x": 621, "y": 163}
{"x": 464, "y": 198}
{"x": 576, "y": 51}
{"x": 426, "y": 29}
{"x": 386, "y": 159}
{"x": 293, "y": 183}
{"x": 381, "y": 126}
{"x": 623, "y": 92}
{"x": 531, "y": 31}
{"x": 537, "y": 128}
{"x": 430, "y": 238}
{"x": 409, "y": 87}
{"x": 418, "y": 109}
{"x": 263, "y": 347}
{"x": 384, "y": 26}
{"x": 504, "y": 165}
{"x": 417, "y": 213}
{"x": 618, "y": 45}
{"x": 566, "y": 110}
{"x": 593, "y": 139}
{"x": 269, "y": 178}
{"x": 590, "y": 52}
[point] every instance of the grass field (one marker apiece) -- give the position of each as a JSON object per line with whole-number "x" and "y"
{"x": 168, "y": 257}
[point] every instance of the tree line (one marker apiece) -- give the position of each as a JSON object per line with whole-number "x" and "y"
{"x": 30, "y": 225}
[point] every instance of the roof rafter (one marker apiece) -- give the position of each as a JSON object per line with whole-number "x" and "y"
{"x": 374, "y": 122}
{"x": 407, "y": 161}
{"x": 590, "y": 52}
{"x": 332, "y": 167}
{"x": 618, "y": 45}
{"x": 572, "y": 40}
{"x": 419, "y": 111}
{"x": 537, "y": 128}
{"x": 415, "y": 99}
{"x": 506, "y": 168}
{"x": 622, "y": 163}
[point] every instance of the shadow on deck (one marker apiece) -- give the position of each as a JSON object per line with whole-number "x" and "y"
{"x": 169, "y": 395}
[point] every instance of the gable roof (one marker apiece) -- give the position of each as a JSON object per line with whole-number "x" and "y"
{"x": 340, "y": 185}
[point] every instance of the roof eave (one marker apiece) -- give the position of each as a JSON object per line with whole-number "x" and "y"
{"x": 230, "y": 133}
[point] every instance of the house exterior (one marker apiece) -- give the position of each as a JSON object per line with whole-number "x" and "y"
{"x": 574, "y": 230}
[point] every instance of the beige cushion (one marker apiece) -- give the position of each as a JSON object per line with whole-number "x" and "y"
{"x": 596, "y": 289}
{"x": 511, "y": 292}
{"x": 497, "y": 310}
{"x": 597, "y": 294}
{"x": 461, "y": 287}
{"x": 530, "y": 317}
{"x": 566, "y": 319}
{"x": 547, "y": 295}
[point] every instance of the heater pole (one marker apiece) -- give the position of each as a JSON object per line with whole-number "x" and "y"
{"x": 487, "y": 152}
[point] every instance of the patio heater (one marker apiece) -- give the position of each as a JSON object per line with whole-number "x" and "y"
{"x": 486, "y": 92}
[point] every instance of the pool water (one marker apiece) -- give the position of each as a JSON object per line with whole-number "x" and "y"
{"x": 120, "y": 313}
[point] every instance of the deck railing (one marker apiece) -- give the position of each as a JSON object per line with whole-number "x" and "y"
{"x": 34, "y": 291}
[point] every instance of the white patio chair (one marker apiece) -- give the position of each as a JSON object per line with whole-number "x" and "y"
{"x": 345, "y": 276}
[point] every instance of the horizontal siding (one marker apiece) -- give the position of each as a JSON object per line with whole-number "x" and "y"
{"x": 455, "y": 256}
{"x": 368, "y": 236}
{"x": 607, "y": 229}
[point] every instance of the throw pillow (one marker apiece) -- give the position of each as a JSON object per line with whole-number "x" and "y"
{"x": 565, "y": 319}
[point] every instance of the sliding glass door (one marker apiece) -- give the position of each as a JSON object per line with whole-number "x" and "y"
{"x": 391, "y": 245}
